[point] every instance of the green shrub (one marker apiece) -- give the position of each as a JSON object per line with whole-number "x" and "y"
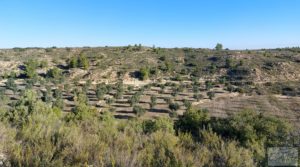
{"x": 30, "y": 68}
{"x": 187, "y": 104}
{"x": 192, "y": 121}
{"x": 139, "y": 111}
{"x": 10, "y": 84}
{"x": 134, "y": 99}
{"x": 83, "y": 62}
{"x": 54, "y": 73}
{"x": 219, "y": 47}
{"x": 211, "y": 95}
{"x": 208, "y": 85}
{"x": 228, "y": 63}
{"x": 80, "y": 61}
{"x": 144, "y": 73}
{"x": 153, "y": 101}
{"x": 162, "y": 123}
{"x": 101, "y": 90}
{"x": 174, "y": 106}
{"x": 43, "y": 64}
{"x": 73, "y": 62}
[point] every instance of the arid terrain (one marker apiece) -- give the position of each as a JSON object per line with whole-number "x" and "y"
{"x": 224, "y": 82}
{"x": 147, "y": 106}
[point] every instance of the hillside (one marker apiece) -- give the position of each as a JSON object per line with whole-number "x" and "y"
{"x": 141, "y": 106}
{"x": 264, "y": 80}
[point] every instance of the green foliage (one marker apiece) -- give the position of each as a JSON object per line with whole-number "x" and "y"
{"x": 249, "y": 125}
{"x": 35, "y": 134}
{"x": 10, "y": 84}
{"x": 211, "y": 95}
{"x": 219, "y": 47}
{"x": 130, "y": 88}
{"x": 109, "y": 101}
{"x": 174, "y": 106}
{"x": 81, "y": 98}
{"x": 43, "y": 64}
{"x": 54, "y": 73}
{"x": 226, "y": 153}
{"x": 169, "y": 66}
{"x": 119, "y": 90}
{"x": 162, "y": 151}
{"x": 239, "y": 73}
{"x": 195, "y": 88}
{"x": 192, "y": 121}
{"x": 229, "y": 63}
{"x": 138, "y": 110}
{"x": 73, "y": 62}
{"x": 134, "y": 99}
{"x": 153, "y": 101}
{"x": 47, "y": 95}
{"x": 3, "y": 98}
{"x": 212, "y": 68}
{"x": 208, "y": 85}
{"x": 101, "y": 90}
{"x": 167, "y": 100}
{"x": 187, "y": 104}
{"x": 144, "y": 73}
{"x": 178, "y": 77}
{"x": 80, "y": 61}
{"x": 59, "y": 103}
{"x": 163, "y": 123}
{"x": 30, "y": 68}
{"x": 83, "y": 62}
{"x": 198, "y": 96}
{"x": 256, "y": 131}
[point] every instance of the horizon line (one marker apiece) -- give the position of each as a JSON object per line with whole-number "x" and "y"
{"x": 146, "y": 46}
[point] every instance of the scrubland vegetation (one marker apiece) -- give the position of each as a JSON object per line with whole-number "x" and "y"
{"x": 36, "y": 134}
{"x": 142, "y": 106}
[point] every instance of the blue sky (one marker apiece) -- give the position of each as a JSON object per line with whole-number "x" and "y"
{"x": 237, "y": 24}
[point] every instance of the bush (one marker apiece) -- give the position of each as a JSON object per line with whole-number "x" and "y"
{"x": 35, "y": 134}
{"x": 192, "y": 121}
{"x": 177, "y": 77}
{"x": 130, "y": 88}
{"x": 73, "y": 62}
{"x": 153, "y": 101}
{"x": 30, "y": 68}
{"x": 54, "y": 73}
{"x": 208, "y": 85}
{"x": 219, "y": 47}
{"x": 198, "y": 96}
{"x": 228, "y": 63}
{"x": 101, "y": 90}
{"x": 144, "y": 73}
{"x": 59, "y": 103}
{"x": 43, "y": 64}
{"x": 80, "y": 61}
{"x": 120, "y": 90}
{"x": 239, "y": 73}
{"x": 10, "y": 84}
{"x": 211, "y": 95}
{"x": 167, "y": 100}
{"x": 159, "y": 124}
{"x": 139, "y": 111}
{"x": 83, "y": 62}
{"x": 187, "y": 104}
{"x": 174, "y": 106}
{"x": 109, "y": 101}
{"x": 173, "y": 114}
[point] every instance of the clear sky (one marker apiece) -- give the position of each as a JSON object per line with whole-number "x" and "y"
{"x": 237, "y": 24}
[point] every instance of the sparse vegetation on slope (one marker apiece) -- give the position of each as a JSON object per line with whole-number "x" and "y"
{"x": 142, "y": 106}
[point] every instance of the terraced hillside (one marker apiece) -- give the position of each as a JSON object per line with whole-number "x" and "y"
{"x": 163, "y": 82}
